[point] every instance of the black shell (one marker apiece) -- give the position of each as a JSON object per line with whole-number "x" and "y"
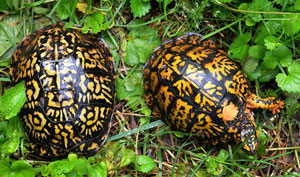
{"x": 70, "y": 88}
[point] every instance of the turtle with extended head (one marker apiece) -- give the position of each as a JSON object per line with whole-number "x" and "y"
{"x": 194, "y": 87}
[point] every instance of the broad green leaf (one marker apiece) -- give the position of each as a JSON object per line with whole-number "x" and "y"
{"x": 130, "y": 87}
{"x": 15, "y": 125}
{"x": 223, "y": 155}
{"x": 3, "y": 127}
{"x": 297, "y": 4}
{"x": 272, "y": 27}
{"x": 212, "y": 166}
{"x": 11, "y": 145}
{"x": 60, "y": 167}
{"x": 139, "y": 8}
{"x": 8, "y": 33}
{"x": 145, "y": 164}
{"x": 5, "y": 167}
{"x": 40, "y": 10}
{"x": 291, "y": 24}
{"x": 267, "y": 75}
{"x": 12, "y": 101}
{"x": 127, "y": 156}
{"x": 134, "y": 80}
{"x": 80, "y": 166}
{"x": 243, "y": 6}
{"x": 280, "y": 2}
{"x": 95, "y": 22}
{"x": 282, "y": 54}
{"x": 270, "y": 61}
{"x": 291, "y": 103}
{"x": 254, "y": 75}
{"x": 250, "y": 65}
{"x": 239, "y": 48}
{"x": 63, "y": 9}
{"x": 45, "y": 170}
{"x": 21, "y": 168}
{"x": 98, "y": 170}
{"x": 252, "y": 19}
{"x": 141, "y": 43}
{"x": 144, "y": 109}
{"x": 257, "y": 51}
{"x": 133, "y": 51}
{"x": 3, "y": 6}
{"x": 2, "y": 140}
{"x": 260, "y": 5}
{"x": 290, "y": 82}
{"x": 72, "y": 157}
{"x": 271, "y": 42}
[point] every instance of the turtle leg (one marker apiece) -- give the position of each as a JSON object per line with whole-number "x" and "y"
{"x": 248, "y": 134}
{"x": 271, "y": 103}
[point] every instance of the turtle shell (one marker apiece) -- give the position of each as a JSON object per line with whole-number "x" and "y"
{"x": 70, "y": 88}
{"x": 194, "y": 87}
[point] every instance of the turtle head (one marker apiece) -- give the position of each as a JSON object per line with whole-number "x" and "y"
{"x": 248, "y": 133}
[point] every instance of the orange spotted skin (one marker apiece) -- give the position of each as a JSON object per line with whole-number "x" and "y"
{"x": 70, "y": 84}
{"x": 190, "y": 83}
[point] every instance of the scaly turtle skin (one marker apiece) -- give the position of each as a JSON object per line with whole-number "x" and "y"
{"x": 70, "y": 84}
{"x": 196, "y": 88}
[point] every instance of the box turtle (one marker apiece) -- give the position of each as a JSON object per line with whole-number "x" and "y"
{"x": 70, "y": 86}
{"x": 194, "y": 87}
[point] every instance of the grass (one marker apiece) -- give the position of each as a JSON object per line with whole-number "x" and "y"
{"x": 140, "y": 144}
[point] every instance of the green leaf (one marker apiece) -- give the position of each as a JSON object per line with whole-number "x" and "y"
{"x": 272, "y": 27}
{"x": 12, "y": 101}
{"x": 139, "y": 8}
{"x": 268, "y": 75}
{"x": 297, "y": 4}
{"x": 223, "y": 155}
{"x": 239, "y": 48}
{"x": 252, "y": 19}
{"x": 22, "y": 168}
{"x": 72, "y": 157}
{"x": 8, "y": 32}
{"x": 14, "y": 125}
{"x": 95, "y": 22}
{"x": 291, "y": 103}
{"x": 257, "y": 51}
{"x": 260, "y": 5}
{"x": 63, "y": 9}
{"x": 130, "y": 87}
{"x": 212, "y": 166}
{"x": 250, "y": 65}
{"x": 282, "y": 54}
{"x": 290, "y": 82}
{"x": 5, "y": 167}
{"x": 145, "y": 164}
{"x": 271, "y": 42}
{"x": 45, "y": 170}
{"x": 127, "y": 156}
{"x": 57, "y": 168}
{"x": 243, "y": 6}
{"x": 291, "y": 24}
{"x": 98, "y": 170}
{"x": 144, "y": 109}
{"x": 11, "y": 145}
{"x": 81, "y": 166}
{"x": 270, "y": 61}
{"x": 141, "y": 43}
{"x": 40, "y": 10}
{"x": 254, "y": 75}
